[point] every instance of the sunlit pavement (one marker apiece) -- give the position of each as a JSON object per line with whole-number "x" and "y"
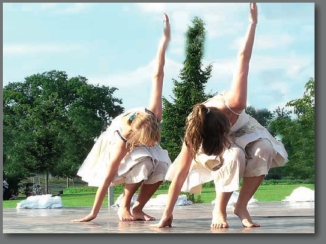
{"x": 274, "y": 217}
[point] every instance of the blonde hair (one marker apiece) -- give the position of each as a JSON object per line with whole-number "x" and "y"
{"x": 207, "y": 128}
{"x": 145, "y": 129}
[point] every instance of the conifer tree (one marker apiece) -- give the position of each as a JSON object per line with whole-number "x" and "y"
{"x": 188, "y": 91}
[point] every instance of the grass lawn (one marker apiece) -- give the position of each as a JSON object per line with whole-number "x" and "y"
{"x": 265, "y": 193}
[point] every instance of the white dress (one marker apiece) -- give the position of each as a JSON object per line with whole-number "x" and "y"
{"x": 94, "y": 168}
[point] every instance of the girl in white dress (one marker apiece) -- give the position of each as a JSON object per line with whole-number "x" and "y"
{"x": 224, "y": 144}
{"x": 128, "y": 152}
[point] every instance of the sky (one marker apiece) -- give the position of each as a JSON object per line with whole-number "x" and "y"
{"x": 115, "y": 44}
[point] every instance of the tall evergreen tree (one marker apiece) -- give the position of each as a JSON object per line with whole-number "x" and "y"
{"x": 188, "y": 91}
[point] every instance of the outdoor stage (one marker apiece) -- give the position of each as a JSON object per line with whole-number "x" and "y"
{"x": 274, "y": 217}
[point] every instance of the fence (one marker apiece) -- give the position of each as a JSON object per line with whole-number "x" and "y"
{"x": 55, "y": 185}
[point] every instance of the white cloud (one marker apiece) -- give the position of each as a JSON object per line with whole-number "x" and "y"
{"x": 272, "y": 81}
{"x": 28, "y": 7}
{"x": 284, "y": 13}
{"x": 152, "y": 7}
{"x": 209, "y": 8}
{"x": 294, "y": 65}
{"x": 139, "y": 76}
{"x": 48, "y": 6}
{"x": 284, "y": 70}
{"x": 126, "y": 78}
{"x": 222, "y": 68}
{"x": 52, "y": 7}
{"x": 216, "y": 17}
{"x": 180, "y": 21}
{"x": 22, "y": 49}
{"x": 230, "y": 19}
{"x": 178, "y": 50}
{"x": 75, "y": 8}
{"x": 279, "y": 86}
{"x": 290, "y": 63}
{"x": 278, "y": 68}
{"x": 134, "y": 85}
{"x": 308, "y": 30}
{"x": 266, "y": 41}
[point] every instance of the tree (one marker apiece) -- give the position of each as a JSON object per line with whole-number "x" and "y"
{"x": 298, "y": 134}
{"x": 188, "y": 91}
{"x": 263, "y": 116}
{"x": 50, "y": 123}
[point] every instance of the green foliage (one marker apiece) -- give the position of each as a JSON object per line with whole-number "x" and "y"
{"x": 304, "y": 107}
{"x": 263, "y": 116}
{"x": 165, "y": 185}
{"x": 298, "y": 134}
{"x": 50, "y": 123}
{"x": 187, "y": 92}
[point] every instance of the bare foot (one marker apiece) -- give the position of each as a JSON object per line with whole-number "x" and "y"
{"x": 140, "y": 215}
{"x": 124, "y": 214}
{"x": 219, "y": 220}
{"x": 245, "y": 218}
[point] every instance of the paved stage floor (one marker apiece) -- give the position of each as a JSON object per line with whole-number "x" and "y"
{"x": 274, "y": 217}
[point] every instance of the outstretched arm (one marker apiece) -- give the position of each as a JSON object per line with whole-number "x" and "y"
{"x": 155, "y": 102}
{"x": 114, "y": 163}
{"x": 176, "y": 185}
{"x": 237, "y": 96}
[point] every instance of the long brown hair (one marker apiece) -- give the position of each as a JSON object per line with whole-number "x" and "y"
{"x": 207, "y": 128}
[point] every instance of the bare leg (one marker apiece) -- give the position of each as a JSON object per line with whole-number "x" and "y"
{"x": 260, "y": 154}
{"x": 146, "y": 192}
{"x": 227, "y": 177}
{"x": 219, "y": 212}
{"x": 124, "y": 212}
{"x": 137, "y": 174}
{"x": 249, "y": 187}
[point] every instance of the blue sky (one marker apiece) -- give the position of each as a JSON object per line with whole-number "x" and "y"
{"x": 115, "y": 44}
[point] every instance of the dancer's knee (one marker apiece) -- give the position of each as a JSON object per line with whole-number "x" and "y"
{"x": 264, "y": 149}
{"x": 140, "y": 172}
{"x": 158, "y": 174}
{"x": 261, "y": 154}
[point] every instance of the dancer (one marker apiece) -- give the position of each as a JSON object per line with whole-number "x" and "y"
{"x": 128, "y": 152}
{"x": 222, "y": 143}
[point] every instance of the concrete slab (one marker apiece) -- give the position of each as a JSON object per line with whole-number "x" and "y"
{"x": 274, "y": 217}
